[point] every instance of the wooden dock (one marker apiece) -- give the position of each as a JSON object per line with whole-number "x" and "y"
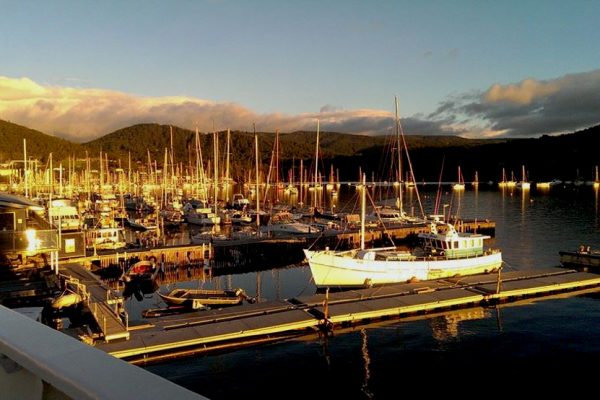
{"x": 103, "y": 303}
{"x": 203, "y": 331}
{"x": 175, "y": 255}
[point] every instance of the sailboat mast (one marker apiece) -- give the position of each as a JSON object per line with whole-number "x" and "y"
{"x": 226, "y": 186}
{"x": 257, "y": 177}
{"x": 363, "y": 209}
{"x": 216, "y": 167}
{"x": 397, "y": 125}
{"x": 316, "y": 167}
{"x": 25, "y": 167}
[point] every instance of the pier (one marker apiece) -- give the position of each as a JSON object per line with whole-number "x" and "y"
{"x": 104, "y": 305}
{"x": 204, "y": 331}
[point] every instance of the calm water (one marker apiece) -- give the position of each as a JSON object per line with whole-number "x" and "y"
{"x": 452, "y": 351}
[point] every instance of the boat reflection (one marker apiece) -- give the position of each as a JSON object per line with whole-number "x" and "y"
{"x": 446, "y": 327}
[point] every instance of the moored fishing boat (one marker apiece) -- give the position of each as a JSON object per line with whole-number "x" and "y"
{"x": 443, "y": 254}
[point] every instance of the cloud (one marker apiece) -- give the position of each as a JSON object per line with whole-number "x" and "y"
{"x": 82, "y": 114}
{"x": 529, "y": 108}
{"x": 523, "y": 109}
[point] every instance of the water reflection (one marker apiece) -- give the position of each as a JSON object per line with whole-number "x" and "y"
{"x": 446, "y": 327}
{"x": 366, "y": 365}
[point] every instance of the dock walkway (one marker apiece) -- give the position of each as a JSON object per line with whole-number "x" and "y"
{"x": 202, "y": 331}
{"x": 101, "y": 301}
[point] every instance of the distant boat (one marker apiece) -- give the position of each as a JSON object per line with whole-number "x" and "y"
{"x": 200, "y": 298}
{"x": 524, "y": 184}
{"x": 585, "y": 257}
{"x": 475, "y": 182}
{"x": 460, "y": 185}
{"x": 547, "y": 185}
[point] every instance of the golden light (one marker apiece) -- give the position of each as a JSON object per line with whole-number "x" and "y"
{"x": 33, "y": 242}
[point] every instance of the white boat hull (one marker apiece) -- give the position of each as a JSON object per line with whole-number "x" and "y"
{"x": 335, "y": 269}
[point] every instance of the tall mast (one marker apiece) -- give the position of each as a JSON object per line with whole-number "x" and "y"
{"x": 51, "y": 176}
{"x": 216, "y": 167}
{"x": 316, "y": 166}
{"x": 25, "y": 166}
{"x": 398, "y": 147}
{"x": 101, "y": 172}
{"x": 163, "y": 198}
{"x": 257, "y": 176}
{"x": 172, "y": 162}
{"x": 363, "y": 208}
{"x": 277, "y": 165}
{"x": 301, "y": 181}
{"x": 129, "y": 172}
{"x": 226, "y": 186}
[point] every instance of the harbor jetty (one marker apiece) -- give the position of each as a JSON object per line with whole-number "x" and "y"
{"x": 205, "y": 331}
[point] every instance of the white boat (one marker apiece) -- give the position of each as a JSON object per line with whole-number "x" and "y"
{"x": 443, "y": 255}
{"x": 62, "y": 213}
{"x": 105, "y": 238}
{"x": 200, "y": 215}
{"x": 283, "y": 223}
{"x": 66, "y": 299}
{"x": 460, "y": 185}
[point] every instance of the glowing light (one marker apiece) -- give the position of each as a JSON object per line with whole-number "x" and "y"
{"x": 33, "y": 242}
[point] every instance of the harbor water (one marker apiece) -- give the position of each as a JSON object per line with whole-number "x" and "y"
{"x": 555, "y": 337}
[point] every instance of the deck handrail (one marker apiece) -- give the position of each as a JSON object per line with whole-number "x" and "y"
{"x": 72, "y": 367}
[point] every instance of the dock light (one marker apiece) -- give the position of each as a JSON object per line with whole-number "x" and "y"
{"x": 33, "y": 242}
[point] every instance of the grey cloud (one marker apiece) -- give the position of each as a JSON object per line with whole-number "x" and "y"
{"x": 532, "y": 108}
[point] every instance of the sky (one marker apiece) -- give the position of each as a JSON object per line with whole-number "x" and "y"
{"x": 82, "y": 69}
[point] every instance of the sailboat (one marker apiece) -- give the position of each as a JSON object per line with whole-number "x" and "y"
{"x": 443, "y": 254}
{"x": 524, "y": 184}
{"x": 475, "y": 182}
{"x": 460, "y": 185}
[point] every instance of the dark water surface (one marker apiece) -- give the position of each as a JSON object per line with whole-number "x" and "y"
{"x": 451, "y": 353}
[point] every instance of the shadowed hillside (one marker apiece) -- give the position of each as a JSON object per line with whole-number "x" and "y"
{"x": 565, "y": 156}
{"x": 39, "y": 145}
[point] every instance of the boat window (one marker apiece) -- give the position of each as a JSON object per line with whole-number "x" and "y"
{"x": 455, "y": 244}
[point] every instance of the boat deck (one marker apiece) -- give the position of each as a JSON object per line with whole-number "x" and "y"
{"x": 198, "y": 332}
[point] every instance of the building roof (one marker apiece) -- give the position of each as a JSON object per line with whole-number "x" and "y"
{"x": 13, "y": 201}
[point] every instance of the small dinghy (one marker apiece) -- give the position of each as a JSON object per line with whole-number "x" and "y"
{"x": 200, "y": 298}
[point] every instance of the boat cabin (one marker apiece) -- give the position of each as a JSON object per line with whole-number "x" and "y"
{"x": 451, "y": 243}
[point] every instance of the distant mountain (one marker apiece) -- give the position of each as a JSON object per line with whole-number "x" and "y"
{"x": 565, "y": 156}
{"x": 337, "y": 148}
{"x": 39, "y": 145}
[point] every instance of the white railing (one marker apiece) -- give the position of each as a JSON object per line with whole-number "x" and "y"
{"x": 33, "y": 355}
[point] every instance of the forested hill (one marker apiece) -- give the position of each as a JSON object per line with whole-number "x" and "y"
{"x": 564, "y": 156}
{"x": 39, "y": 145}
